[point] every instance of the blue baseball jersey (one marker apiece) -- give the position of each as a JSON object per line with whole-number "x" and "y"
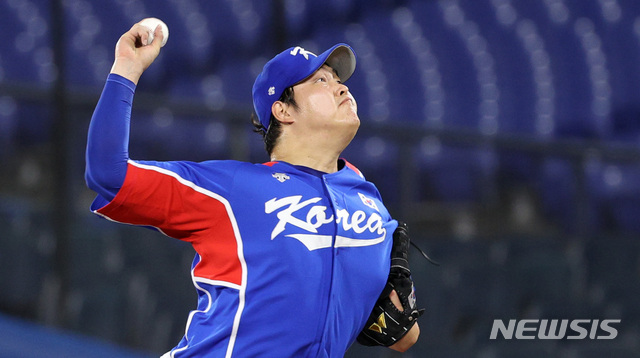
{"x": 289, "y": 261}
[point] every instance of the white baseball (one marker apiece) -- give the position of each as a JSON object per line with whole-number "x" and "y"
{"x": 151, "y": 23}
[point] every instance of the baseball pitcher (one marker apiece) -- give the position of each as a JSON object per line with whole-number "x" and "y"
{"x": 297, "y": 257}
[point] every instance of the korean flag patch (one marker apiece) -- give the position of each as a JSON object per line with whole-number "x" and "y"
{"x": 368, "y": 202}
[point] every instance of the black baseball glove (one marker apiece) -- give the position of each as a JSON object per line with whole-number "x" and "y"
{"x": 387, "y": 324}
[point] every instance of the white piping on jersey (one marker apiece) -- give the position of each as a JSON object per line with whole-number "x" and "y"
{"x": 243, "y": 264}
{"x": 120, "y": 222}
{"x": 186, "y": 330}
{"x": 217, "y": 283}
{"x": 342, "y": 241}
{"x": 315, "y": 242}
{"x": 195, "y": 281}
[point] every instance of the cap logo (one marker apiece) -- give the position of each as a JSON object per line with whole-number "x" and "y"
{"x": 299, "y": 50}
{"x": 272, "y": 91}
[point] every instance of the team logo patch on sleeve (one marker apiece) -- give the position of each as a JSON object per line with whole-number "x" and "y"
{"x": 368, "y": 202}
{"x": 281, "y": 177}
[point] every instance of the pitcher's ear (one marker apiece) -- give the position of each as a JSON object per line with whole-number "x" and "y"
{"x": 282, "y": 112}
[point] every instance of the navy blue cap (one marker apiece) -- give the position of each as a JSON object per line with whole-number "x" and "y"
{"x": 292, "y": 66}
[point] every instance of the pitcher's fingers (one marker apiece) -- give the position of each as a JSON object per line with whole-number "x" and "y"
{"x": 140, "y": 34}
{"x": 158, "y": 37}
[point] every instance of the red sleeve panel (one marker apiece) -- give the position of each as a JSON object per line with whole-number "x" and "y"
{"x": 159, "y": 197}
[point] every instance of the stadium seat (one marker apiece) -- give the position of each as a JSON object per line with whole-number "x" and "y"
{"x": 9, "y": 122}
{"x": 455, "y": 174}
{"x": 35, "y": 123}
{"x": 24, "y": 267}
{"x": 237, "y": 81}
{"x": 568, "y": 205}
{"x": 616, "y": 191}
{"x": 161, "y": 136}
{"x": 25, "y": 42}
{"x": 107, "y": 321}
{"x": 614, "y": 263}
{"x": 538, "y": 272}
{"x": 456, "y": 64}
{"x": 398, "y": 66}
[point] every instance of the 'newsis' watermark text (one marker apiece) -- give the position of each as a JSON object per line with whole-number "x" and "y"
{"x": 555, "y": 329}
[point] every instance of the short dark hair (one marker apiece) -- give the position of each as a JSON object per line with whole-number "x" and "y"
{"x": 270, "y": 135}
